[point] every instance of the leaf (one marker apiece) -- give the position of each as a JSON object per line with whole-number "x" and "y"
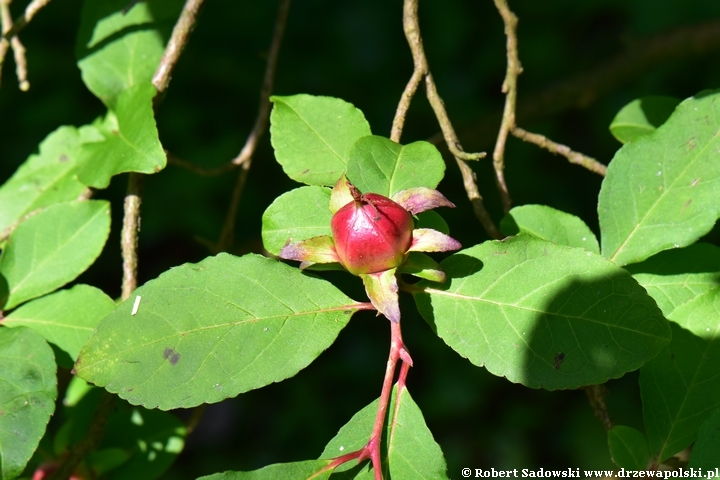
{"x": 118, "y": 49}
{"x": 675, "y": 277}
{"x": 28, "y": 390}
{"x": 706, "y": 451}
{"x": 660, "y": 191}
{"x": 52, "y": 248}
{"x": 628, "y": 448}
{"x": 4, "y": 291}
{"x": 209, "y": 331}
{"x": 411, "y": 449}
{"x": 312, "y": 136}
{"x": 286, "y": 471}
{"x": 642, "y": 116}
{"x": 45, "y": 178}
{"x": 549, "y": 224}
{"x": 541, "y": 314}
{"x": 127, "y": 141}
{"x": 431, "y": 219}
{"x": 379, "y": 165}
{"x": 679, "y": 387}
{"x": 66, "y": 318}
{"x": 296, "y": 215}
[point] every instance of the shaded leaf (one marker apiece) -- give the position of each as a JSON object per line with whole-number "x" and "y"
{"x": 628, "y": 448}
{"x": 28, "y": 390}
{"x": 642, "y": 116}
{"x": 516, "y": 306}
{"x": 126, "y": 140}
{"x": 677, "y": 276}
{"x": 118, "y": 49}
{"x": 286, "y": 471}
{"x": 379, "y": 165}
{"x": 52, "y": 248}
{"x": 431, "y": 219}
{"x": 45, "y": 178}
{"x": 660, "y": 191}
{"x": 312, "y": 136}
{"x": 66, "y": 318}
{"x": 679, "y": 387}
{"x": 209, "y": 331}
{"x": 706, "y": 451}
{"x": 4, "y": 291}
{"x": 296, "y": 215}
{"x": 411, "y": 449}
{"x": 549, "y": 224}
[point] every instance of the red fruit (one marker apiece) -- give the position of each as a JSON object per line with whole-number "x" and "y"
{"x": 371, "y": 233}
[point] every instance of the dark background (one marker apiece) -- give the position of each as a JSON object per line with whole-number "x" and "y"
{"x": 357, "y": 51}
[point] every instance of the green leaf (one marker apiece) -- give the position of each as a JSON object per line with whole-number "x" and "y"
{"x": 52, "y": 248}
{"x": 118, "y": 49}
{"x": 296, "y": 215}
{"x": 431, "y": 219}
{"x": 379, "y": 165}
{"x": 209, "y": 331}
{"x": 544, "y": 315}
{"x": 679, "y": 387}
{"x": 660, "y": 191}
{"x": 45, "y": 178}
{"x": 66, "y": 318}
{"x": 642, "y": 116}
{"x": 628, "y": 448}
{"x": 28, "y": 390}
{"x": 127, "y": 140}
{"x": 312, "y": 136}
{"x": 287, "y": 471}
{"x": 411, "y": 449}
{"x": 706, "y": 451}
{"x": 675, "y": 277}
{"x": 4, "y": 291}
{"x": 549, "y": 224}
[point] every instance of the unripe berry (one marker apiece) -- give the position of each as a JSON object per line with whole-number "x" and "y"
{"x": 372, "y": 233}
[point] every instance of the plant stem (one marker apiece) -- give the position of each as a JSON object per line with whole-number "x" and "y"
{"x": 574, "y": 157}
{"x": 129, "y": 235}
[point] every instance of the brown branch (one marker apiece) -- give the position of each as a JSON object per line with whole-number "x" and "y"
{"x": 205, "y": 172}
{"x": 244, "y": 158}
{"x": 179, "y": 38}
{"x": 421, "y": 70}
{"x": 596, "y": 396}
{"x": 22, "y": 21}
{"x": 574, "y": 157}
{"x": 17, "y": 47}
{"x": 509, "y": 88}
{"x": 129, "y": 235}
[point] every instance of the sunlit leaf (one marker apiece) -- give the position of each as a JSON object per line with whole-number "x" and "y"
{"x": 312, "y": 136}
{"x": 45, "y": 178}
{"x": 549, "y": 224}
{"x": 118, "y": 48}
{"x": 642, "y": 116}
{"x": 379, "y": 165}
{"x": 28, "y": 389}
{"x": 52, "y": 248}
{"x": 208, "y": 331}
{"x": 287, "y": 471}
{"x": 127, "y": 140}
{"x": 542, "y": 314}
{"x": 660, "y": 191}
{"x": 66, "y": 318}
{"x": 677, "y": 276}
{"x": 628, "y": 448}
{"x": 296, "y": 215}
{"x": 679, "y": 387}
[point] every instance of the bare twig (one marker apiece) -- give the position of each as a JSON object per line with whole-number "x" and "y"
{"x": 129, "y": 235}
{"x": 180, "y": 35}
{"x": 22, "y": 21}
{"x": 596, "y": 396}
{"x": 574, "y": 157}
{"x": 17, "y": 46}
{"x": 244, "y": 159}
{"x": 509, "y": 88}
{"x": 205, "y": 172}
{"x": 421, "y": 71}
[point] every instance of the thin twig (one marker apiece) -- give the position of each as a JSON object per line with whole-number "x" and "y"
{"x": 574, "y": 157}
{"x": 17, "y": 47}
{"x": 421, "y": 70}
{"x": 596, "y": 396}
{"x": 179, "y": 38}
{"x": 129, "y": 235}
{"x": 205, "y": 172}
{"x": 22, "y": 21}
{"x": 244, "y": 158}
{"x": 509, "y": 88}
